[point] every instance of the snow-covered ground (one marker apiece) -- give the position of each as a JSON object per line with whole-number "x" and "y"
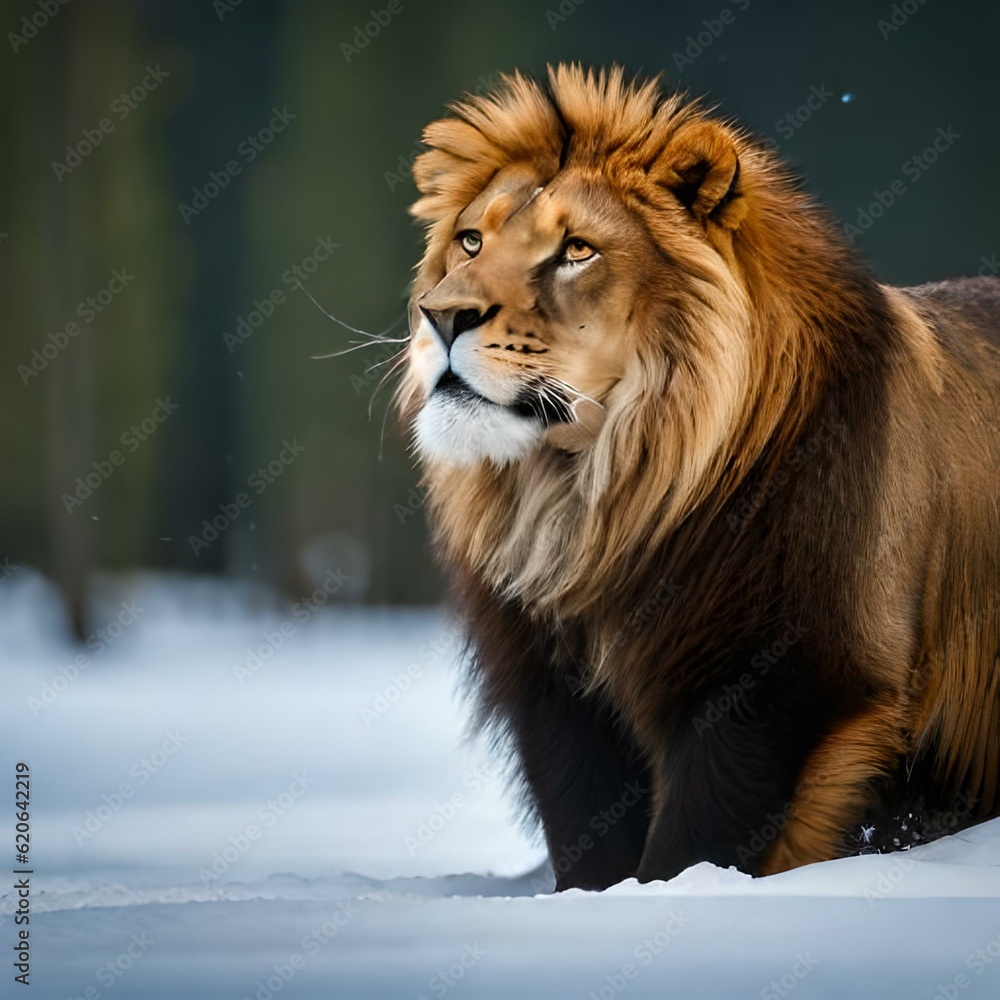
{"x": 233, "y": 799}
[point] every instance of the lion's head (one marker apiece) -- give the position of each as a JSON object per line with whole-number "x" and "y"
{"x": 604, "y": 331}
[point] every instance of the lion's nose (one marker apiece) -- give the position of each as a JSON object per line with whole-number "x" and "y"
{"x": 449, "y": 323}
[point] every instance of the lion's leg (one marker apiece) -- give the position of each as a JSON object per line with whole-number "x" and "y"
{"x": 724, "y": 777}
{"x": 586, "y": 779}
{"x": 835, "y": 787}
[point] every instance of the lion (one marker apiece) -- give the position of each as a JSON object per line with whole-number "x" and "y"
{"x": 722, "y": 511}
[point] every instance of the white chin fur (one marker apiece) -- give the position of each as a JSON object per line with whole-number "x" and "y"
{"x": 464, "y": 432}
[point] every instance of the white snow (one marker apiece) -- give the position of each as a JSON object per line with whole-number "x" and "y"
{"x": 363, "y": 848}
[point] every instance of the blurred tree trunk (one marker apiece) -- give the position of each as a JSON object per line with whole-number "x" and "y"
{"x": 67, "y": 383}
{"x": 229, "y": 79}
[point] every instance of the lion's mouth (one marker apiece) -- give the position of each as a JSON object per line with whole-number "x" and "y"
{"x": 454, "y": 385}
{"x": 546, "y": 403}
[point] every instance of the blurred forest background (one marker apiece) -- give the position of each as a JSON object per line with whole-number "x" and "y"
{"x": 850, "y": 92}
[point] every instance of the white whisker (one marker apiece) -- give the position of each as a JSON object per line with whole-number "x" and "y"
{"x": 347, "y": 326}
{"x": 566, "y": 387}
{"x": 357, "y": 347}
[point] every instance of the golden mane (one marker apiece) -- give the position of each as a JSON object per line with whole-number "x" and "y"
{"x": 727, "y": 353}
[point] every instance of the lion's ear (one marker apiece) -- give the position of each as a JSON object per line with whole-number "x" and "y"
{"x": 701, "y": 166}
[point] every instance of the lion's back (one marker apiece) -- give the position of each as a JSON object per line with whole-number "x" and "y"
{"x": 961, "y": 306}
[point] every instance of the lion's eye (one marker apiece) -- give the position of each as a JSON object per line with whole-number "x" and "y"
{"x": 577, "y": 251}
{"x": 471, "y": 241}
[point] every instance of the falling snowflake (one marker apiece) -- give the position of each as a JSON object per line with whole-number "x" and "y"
{"x": 866, "y": 833}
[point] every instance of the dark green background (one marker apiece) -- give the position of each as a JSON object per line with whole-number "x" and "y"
{"x": 326, "y": 175}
